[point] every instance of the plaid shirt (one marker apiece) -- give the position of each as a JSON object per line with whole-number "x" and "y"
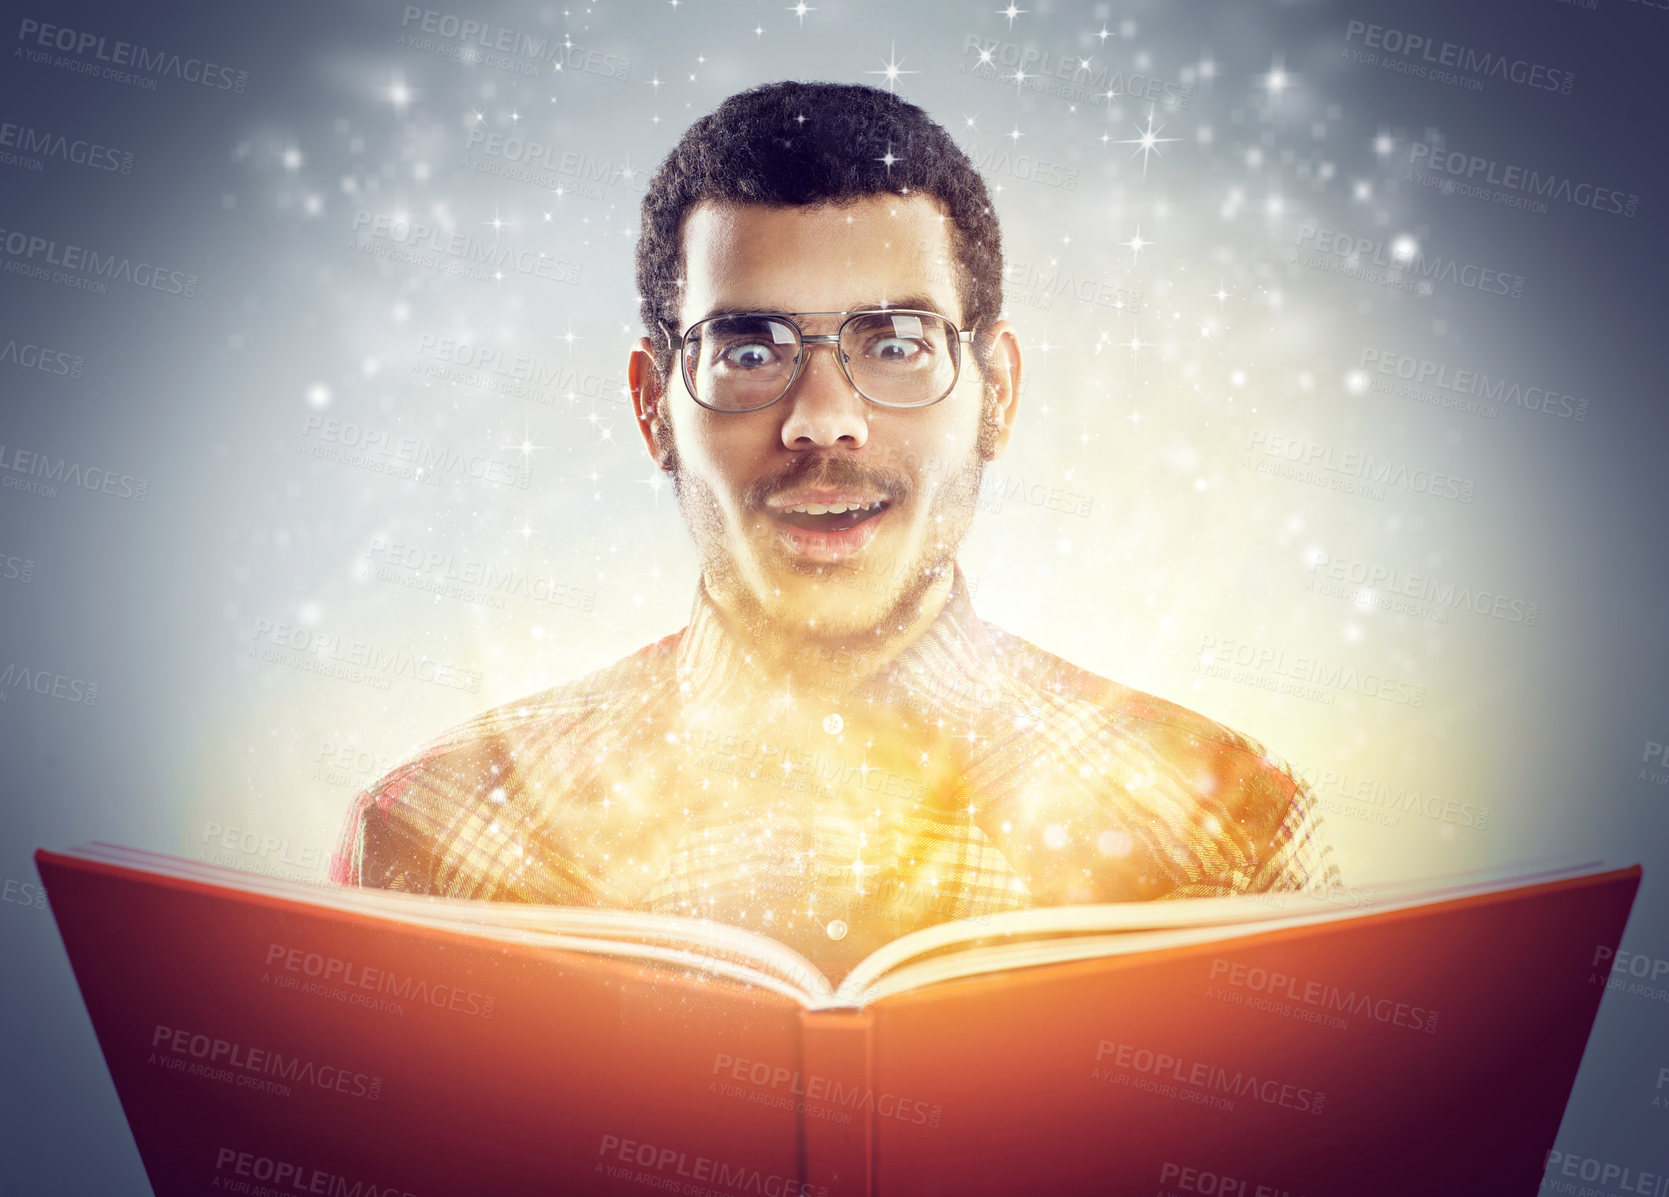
{"x": 975, "y": 773}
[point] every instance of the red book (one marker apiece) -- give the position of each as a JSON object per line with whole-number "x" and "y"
{"x": 280, "y": 1037}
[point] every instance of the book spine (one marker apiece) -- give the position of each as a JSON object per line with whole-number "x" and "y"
{"x": 837, "y": 1132}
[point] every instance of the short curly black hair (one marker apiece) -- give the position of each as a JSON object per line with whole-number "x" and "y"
{"x": 793, "y": 143}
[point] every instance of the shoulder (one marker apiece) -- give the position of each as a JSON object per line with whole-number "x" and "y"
{"x": 1218, "y": 790}
{"x": 1123, "y": 709}
{"x": 415, "y": 826}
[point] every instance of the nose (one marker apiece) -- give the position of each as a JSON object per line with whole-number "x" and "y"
{"x": 821, "y": 410}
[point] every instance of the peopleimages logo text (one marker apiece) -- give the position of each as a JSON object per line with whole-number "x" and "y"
{"x": 1477, "y": 169}
{"x": 481, "y": 258}
{"x": 119, "y": 53}
{"x": 485, "y": 42}
{"x": 291, "y": 1176}
{"x": 1211, "y": 1078}
{"x": 354, "y": 976}
{"x": 1404, "y": 264}
{"x": 1434, "y": 55}
{"x": 31, "y": 250}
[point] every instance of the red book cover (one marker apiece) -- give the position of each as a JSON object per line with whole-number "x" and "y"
{"x": 281, "y": 1038}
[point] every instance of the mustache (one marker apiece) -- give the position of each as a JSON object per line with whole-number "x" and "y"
{"x": 830, "y": 470}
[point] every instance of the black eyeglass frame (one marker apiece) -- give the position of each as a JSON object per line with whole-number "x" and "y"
{"x": 679, "y": 344}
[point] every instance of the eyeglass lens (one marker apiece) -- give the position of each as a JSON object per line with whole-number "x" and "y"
{"x": 901, "y": 359}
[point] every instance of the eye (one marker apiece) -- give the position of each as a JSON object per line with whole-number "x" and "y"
{"x": 896, "y": 350}
{"x": 749, "y": 355}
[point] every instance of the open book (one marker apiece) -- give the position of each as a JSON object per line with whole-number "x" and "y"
{"x": 285, "y": 1037}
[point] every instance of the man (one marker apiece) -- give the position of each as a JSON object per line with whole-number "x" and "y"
{"x": 836, "y": 750}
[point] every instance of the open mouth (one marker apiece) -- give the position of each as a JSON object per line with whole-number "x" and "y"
{"x": 829, "y": 518}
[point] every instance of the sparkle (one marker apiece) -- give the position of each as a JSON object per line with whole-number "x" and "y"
{"x": 889, "y": 158}
{"x": 527, "y": 448}
{"x": 892, "y": 68}
{"x": 1148, "y": 142}
{"x": 1011, "y": 12}
{"x": 800, "y": 10}
{"x": 858, "y": 867}
{"x": 1136, "y": 244}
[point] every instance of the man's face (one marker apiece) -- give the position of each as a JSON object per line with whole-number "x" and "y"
{"x": 739, "y": 476}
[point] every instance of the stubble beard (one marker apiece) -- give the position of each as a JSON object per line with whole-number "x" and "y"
{"x": 771, "y": 622}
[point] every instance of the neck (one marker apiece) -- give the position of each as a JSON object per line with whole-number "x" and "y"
{"x": 800, "y": 653}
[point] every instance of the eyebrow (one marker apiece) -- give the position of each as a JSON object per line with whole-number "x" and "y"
{"x": 920, "y": 303}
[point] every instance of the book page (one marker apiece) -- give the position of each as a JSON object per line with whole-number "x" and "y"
{"x": 682, "y": 943}
{"x": 1025, "y": 938}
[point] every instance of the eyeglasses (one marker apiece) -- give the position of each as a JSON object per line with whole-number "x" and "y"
{"x": 893, "y": 357}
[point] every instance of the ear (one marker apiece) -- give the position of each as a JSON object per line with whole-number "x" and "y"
{"x": 1004, "y": 356}
{"x": 648, "y": 388}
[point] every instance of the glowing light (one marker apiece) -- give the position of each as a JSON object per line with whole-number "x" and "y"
{"x": 1114, "y": 843}
{"x": 1277, "y": 80}
{"x": 892, "y": 68}
{"x": 1148, "y": 141}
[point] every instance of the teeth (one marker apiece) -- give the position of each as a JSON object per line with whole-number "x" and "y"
{"x": 830, "y": 509}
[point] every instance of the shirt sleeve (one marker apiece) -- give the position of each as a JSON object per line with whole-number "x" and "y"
{"x": 379, "y": 847}
{"x": 1256, "y": 827}
{"x": 1299, "y": 856}
{"x": 458, "y": 822}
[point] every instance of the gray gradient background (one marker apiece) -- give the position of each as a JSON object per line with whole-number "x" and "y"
{"x": 207, "y": 398}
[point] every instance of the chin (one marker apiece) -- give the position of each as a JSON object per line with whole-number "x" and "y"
{"x": 850, "y": 606}
{"x": 839, "y": 607}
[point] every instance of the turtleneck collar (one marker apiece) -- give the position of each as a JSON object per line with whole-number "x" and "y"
{"x": 950, "y": 668}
